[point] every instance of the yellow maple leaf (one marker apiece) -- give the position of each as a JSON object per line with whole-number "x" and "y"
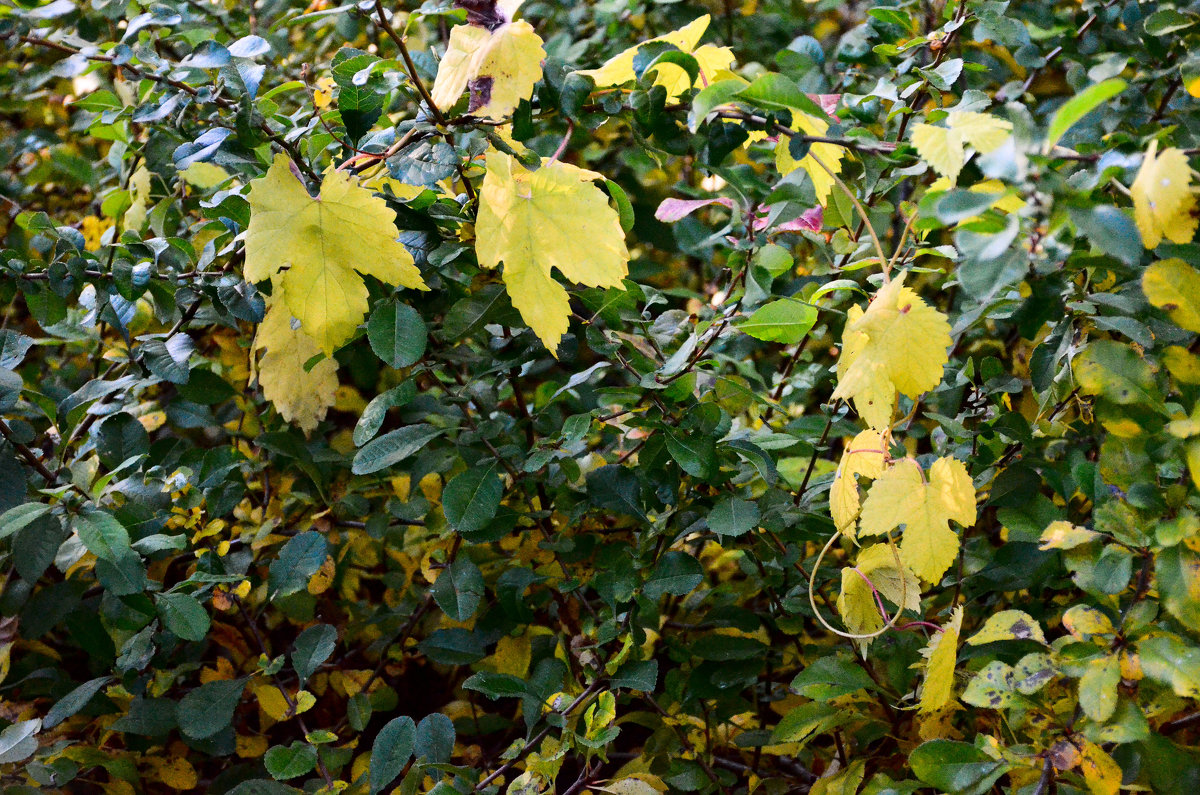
{"x": 500, "y": 62}
{"x": 863, "y": 456}
{"x": 898, "y": 343}
{"x": 944, "y": 148}
{"x": 856, "y": 602}
{"x": 901, "y": 496}
{"x": 1163, "y": 201}
{"x": 618, "y": 70}
{"x": 534, "y": 221}
{"x": 941, "y": 654}
{"x": 300, "y": 396}
{"x": 829, "y": 154}
{"x": 316, "y": 247}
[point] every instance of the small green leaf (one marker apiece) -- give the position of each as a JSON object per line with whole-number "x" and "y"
{"x": 1079, "y": 106}
{"x": 472, "y": 497}
{"x": 397, "y": 334}
{"x": 183, "y": 615}
{"x": 786, "y": 321}
{"x": 284, "y": 762}
{"x": 733, "y": 516}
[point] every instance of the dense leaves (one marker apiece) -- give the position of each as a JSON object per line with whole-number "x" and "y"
{"x": 628, "y": 397}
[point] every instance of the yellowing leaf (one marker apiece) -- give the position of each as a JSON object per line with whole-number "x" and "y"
{"x": 844, "y": 782}
{"x": 323, "y": 92}
{"x": 900, "y": 496}
{"x": 856, "y": 603}
{"x": 204, "y": 175}
{"x": 941, "y": 654}
{"x": 500, "y": 64}
{"x": 1174, "y": 286}
{"x": 319, "y": 583}
{"x": 251, "y": 746}
{"x": 300, "y": 396}
{"x": 1064, "y": 535}
{"x": 534, "y": 221}
{"x": 1008, "y": 625}
{"x": 314, "y": 249}
{"x": 1102, "y": 774}
{"x": 672, "y": 77}
{"x": 176, "y": 772}
{"x": 1162, "y": 197}
{"x": 863, "y": 456}
{"x": 898, "y": 343}
{"x": 139, "y": 188}
{"x": 271, "y": 701}
{"x": 944, "y": 148}
{"x": 829, "y": 154}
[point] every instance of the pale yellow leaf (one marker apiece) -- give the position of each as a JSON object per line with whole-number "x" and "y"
{"x": 944, "y": 148}
{"x": 499, "y": 66}
{"x": 1174, "y": 286}
{"x": 300, "y": 396}
{"x": 857, "y": 604}
{"x": 941, "y": 653}
{"x": 900, "y": 496}
{"x": 1163, "y": 201}
{"x": 982, "y": 132}
{"x": 1064, "y": 535}
{"x": 863, "y": 456}
{"x": 711, "y": 59}
{"x": 899, "y": 343}
{"x": 941, "y": 148}
{"x": 829, "y": 154}
{"x": 536, "y": 221}
{"x": 314, "y": 249}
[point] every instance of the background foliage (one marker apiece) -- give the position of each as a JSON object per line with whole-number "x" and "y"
{"x": 435, "y": 556}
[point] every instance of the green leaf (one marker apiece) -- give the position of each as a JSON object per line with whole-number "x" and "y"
{"x": 786, "y": 321}
{"x": 1112, "y": 230}
{"x": 103, "y": 535}
{"x": 830, "y": 677}
{"x": 1168, "y": 20}
{"x": 495, "y": 685}
{"x": 209, "y": 708}
{"x": 74, "y": 701}
{"x": 18, "y": 741}
{"x": 435, "y": 738}
{"x": 676, "y": 573}
{"x": 711, "y": 97}
{"x": 955, "y": 767}
{"x": 284, "y": 762}
{"x": 1079, "y": 106}
{"x": 392, "y": 749}
{"x": 733, "y": 516}
{"x": 1177, "y": 573}
{"x": 313, "y": 647}
{"x": 397, "y": 334}
{"x": 301, "y": 557}
{"x": 471, "y": 498}
{"x": 19, "y": 517}
{"x": 958, "y": 205}
{"x": 459, "y": 589}
{"x": 779, "y": 92}
{"x": 393, "y": 447}
{"x": 695, "y": 453}
{"x": 183, "y": 615}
